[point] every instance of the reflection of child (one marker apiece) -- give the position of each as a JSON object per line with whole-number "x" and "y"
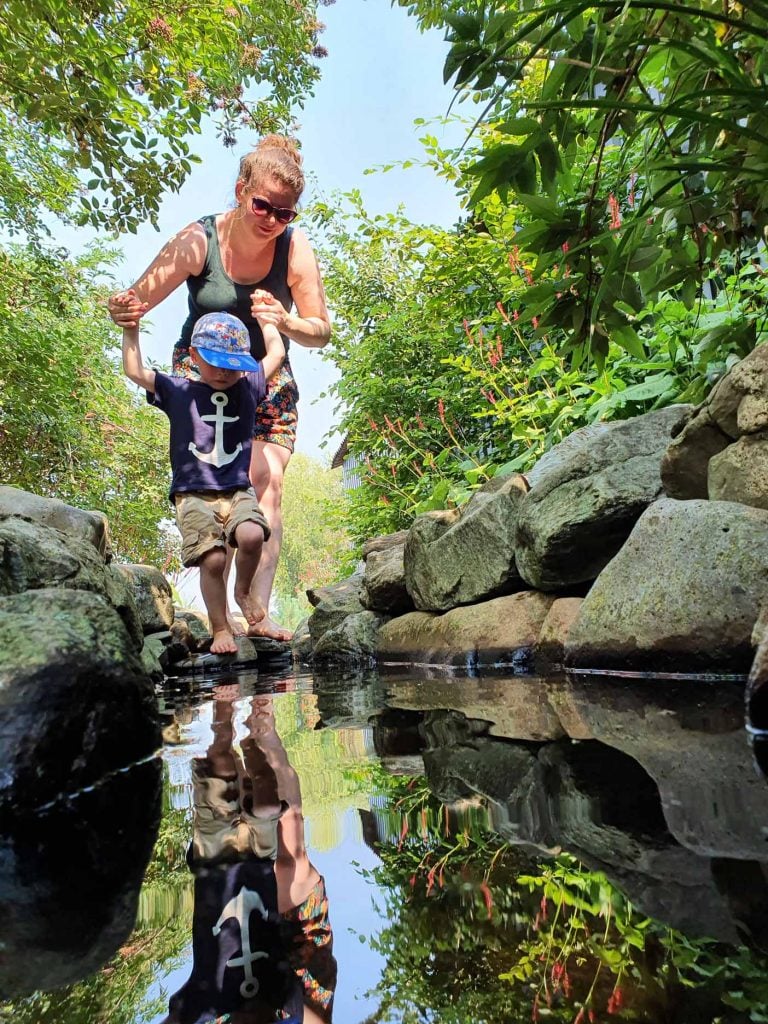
{"x": 211, "y": 436}
{"x": 241, "y": 971}
{"x": 262, "y": 940}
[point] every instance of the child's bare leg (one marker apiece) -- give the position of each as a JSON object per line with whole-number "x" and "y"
{"x": 235, "y": 628}
{"x": 250, "y": 540}
{"x": 214, "y": 593}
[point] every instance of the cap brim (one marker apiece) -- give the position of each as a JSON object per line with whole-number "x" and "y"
{"x": 228, "y": 360}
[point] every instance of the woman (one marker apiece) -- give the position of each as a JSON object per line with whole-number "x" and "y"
{"x": 249, "y": 262}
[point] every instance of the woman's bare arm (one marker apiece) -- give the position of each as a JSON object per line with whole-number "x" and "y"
{"x": 181, "y": 256}
{"x": 310, "y": 326}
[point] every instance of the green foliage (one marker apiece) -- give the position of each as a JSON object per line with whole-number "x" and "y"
{"x": 479, "y": 932}
{"x": 71, "y": 427}
{"x": 99, "y": 101}
{"x": 634, "y": 138}
{"x": 314, "y": 541}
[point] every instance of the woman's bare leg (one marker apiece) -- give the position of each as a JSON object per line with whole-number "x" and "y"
{"x": 268, "y": 465}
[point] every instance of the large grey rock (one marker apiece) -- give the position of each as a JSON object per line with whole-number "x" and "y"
{"x": 333, "y": 604}
{"x": 384, "y": 542}
{"x": 740, "y": 472}
{"x": 497, "y": 631}
{"x": 685, "y": 463}
{"x": 683, "y": 592}
{"x": 196, "y": 624}
{"x": 152, "y": 593}
{"x": 738, "y": 403}
{"x": 352, "y": 641}
{"x": 384, "y": 587}
{"x": 302, "y": 642}
{"x": 586, "y": 495}
{"x": 91, "y": 527}
{"x": 466, "y": 557}
{"x": 74, "y": 700}
{"x": 35, "y": 556}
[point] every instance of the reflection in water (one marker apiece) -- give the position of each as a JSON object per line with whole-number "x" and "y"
{"x": 262, "y": 941}
{"x": 561, "y": 850}
{"x": 70, "y": 880}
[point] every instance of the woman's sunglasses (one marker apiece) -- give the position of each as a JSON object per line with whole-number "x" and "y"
{"x": 282, "y": 215}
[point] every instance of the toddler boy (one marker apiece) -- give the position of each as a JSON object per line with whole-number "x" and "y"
{"x": 211, "y": 435}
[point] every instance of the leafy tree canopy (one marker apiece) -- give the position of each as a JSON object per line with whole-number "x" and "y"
{"x": 635, "y": 135}
{"x": 71, "y": 427}
{"x": 98, "y": 101}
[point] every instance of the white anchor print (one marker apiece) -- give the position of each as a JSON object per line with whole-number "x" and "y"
{"x": 240, "y": 908}
{"x": 217, "y": 456}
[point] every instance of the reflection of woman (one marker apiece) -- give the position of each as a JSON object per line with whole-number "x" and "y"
{"x": 249, "y": 262}
{"x": 262, "y": 941}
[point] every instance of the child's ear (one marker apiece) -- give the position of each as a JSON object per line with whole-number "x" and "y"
{"x": 194, "y": 356}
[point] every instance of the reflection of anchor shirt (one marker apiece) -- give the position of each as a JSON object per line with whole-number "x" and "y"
{"x": 211, "y": 430}
{"x": 239, "y": 960}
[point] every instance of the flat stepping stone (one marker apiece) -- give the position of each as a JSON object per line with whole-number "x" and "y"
{"x": 251, "y": 650}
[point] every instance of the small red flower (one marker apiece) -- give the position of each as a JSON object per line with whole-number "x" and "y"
{"x": 488, "y": 898}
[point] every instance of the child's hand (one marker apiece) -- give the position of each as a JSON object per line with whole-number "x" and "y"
{"x": 266, "y": 309}
{"x": 126, "y": 309}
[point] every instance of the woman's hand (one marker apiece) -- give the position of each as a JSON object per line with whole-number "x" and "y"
{"x": 266, "y": 309}
{"x": 126, "y": 309}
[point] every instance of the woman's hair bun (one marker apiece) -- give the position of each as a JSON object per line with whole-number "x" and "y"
{"x": 285, "y": 143}
{"x": 275, "y": 156}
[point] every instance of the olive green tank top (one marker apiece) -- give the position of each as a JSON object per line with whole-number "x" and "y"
{"x": 213, "y": 291}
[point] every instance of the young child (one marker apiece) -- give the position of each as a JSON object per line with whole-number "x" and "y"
{"x": 211, "y": 435}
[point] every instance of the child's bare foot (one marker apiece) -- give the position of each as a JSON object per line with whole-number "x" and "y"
{"x": 251, "y": 607}
{"x": 223, "y": 642}
{"x": 266, "y": 627}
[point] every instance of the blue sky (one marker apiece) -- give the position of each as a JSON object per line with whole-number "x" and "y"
{"x": 381, "y": 74}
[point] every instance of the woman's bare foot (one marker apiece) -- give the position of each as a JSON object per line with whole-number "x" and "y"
{"x": 250, "y": 607}
{"x": 235, "y": 627}
{"x": 223, "y": 642}
{"x": 266, "y": 627}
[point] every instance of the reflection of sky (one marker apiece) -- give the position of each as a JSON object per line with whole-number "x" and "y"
{"x": 341, "y": 861}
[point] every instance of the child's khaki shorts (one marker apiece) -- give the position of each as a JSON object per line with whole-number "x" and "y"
{"x": 208, "y": 520}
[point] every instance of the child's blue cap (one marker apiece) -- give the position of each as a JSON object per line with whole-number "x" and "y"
{"x": 223, "y": 340}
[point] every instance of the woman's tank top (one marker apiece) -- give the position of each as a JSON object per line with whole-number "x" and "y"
{"x": 213, "y": 291}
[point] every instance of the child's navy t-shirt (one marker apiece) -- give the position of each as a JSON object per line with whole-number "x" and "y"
{"x": 211, "y": 431}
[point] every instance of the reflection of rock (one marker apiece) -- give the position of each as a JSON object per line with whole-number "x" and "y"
{"x": 499, "y": 630}
{"x": 74, "y": 701}
{"x": 586, "y": 495}
{"x": 587, "y": 798}
{"x": 694, "y": 747}
{"x": 517, "y": 708}
{"x": 348, "y": 700}
{"x": 70, "y": 880}
{"x": 468, "y": 556}
{"x": 683, "y": 592}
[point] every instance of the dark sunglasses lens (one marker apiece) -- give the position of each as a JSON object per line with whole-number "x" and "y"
{"x": 281, "y": 214}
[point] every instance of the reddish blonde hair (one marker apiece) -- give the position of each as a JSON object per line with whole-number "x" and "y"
{"x": 276, "y": 156}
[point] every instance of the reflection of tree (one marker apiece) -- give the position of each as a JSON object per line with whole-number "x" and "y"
{"x": 482, "y": 932}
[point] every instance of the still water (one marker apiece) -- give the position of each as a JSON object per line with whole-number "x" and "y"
{"x": 399, "y": 849}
